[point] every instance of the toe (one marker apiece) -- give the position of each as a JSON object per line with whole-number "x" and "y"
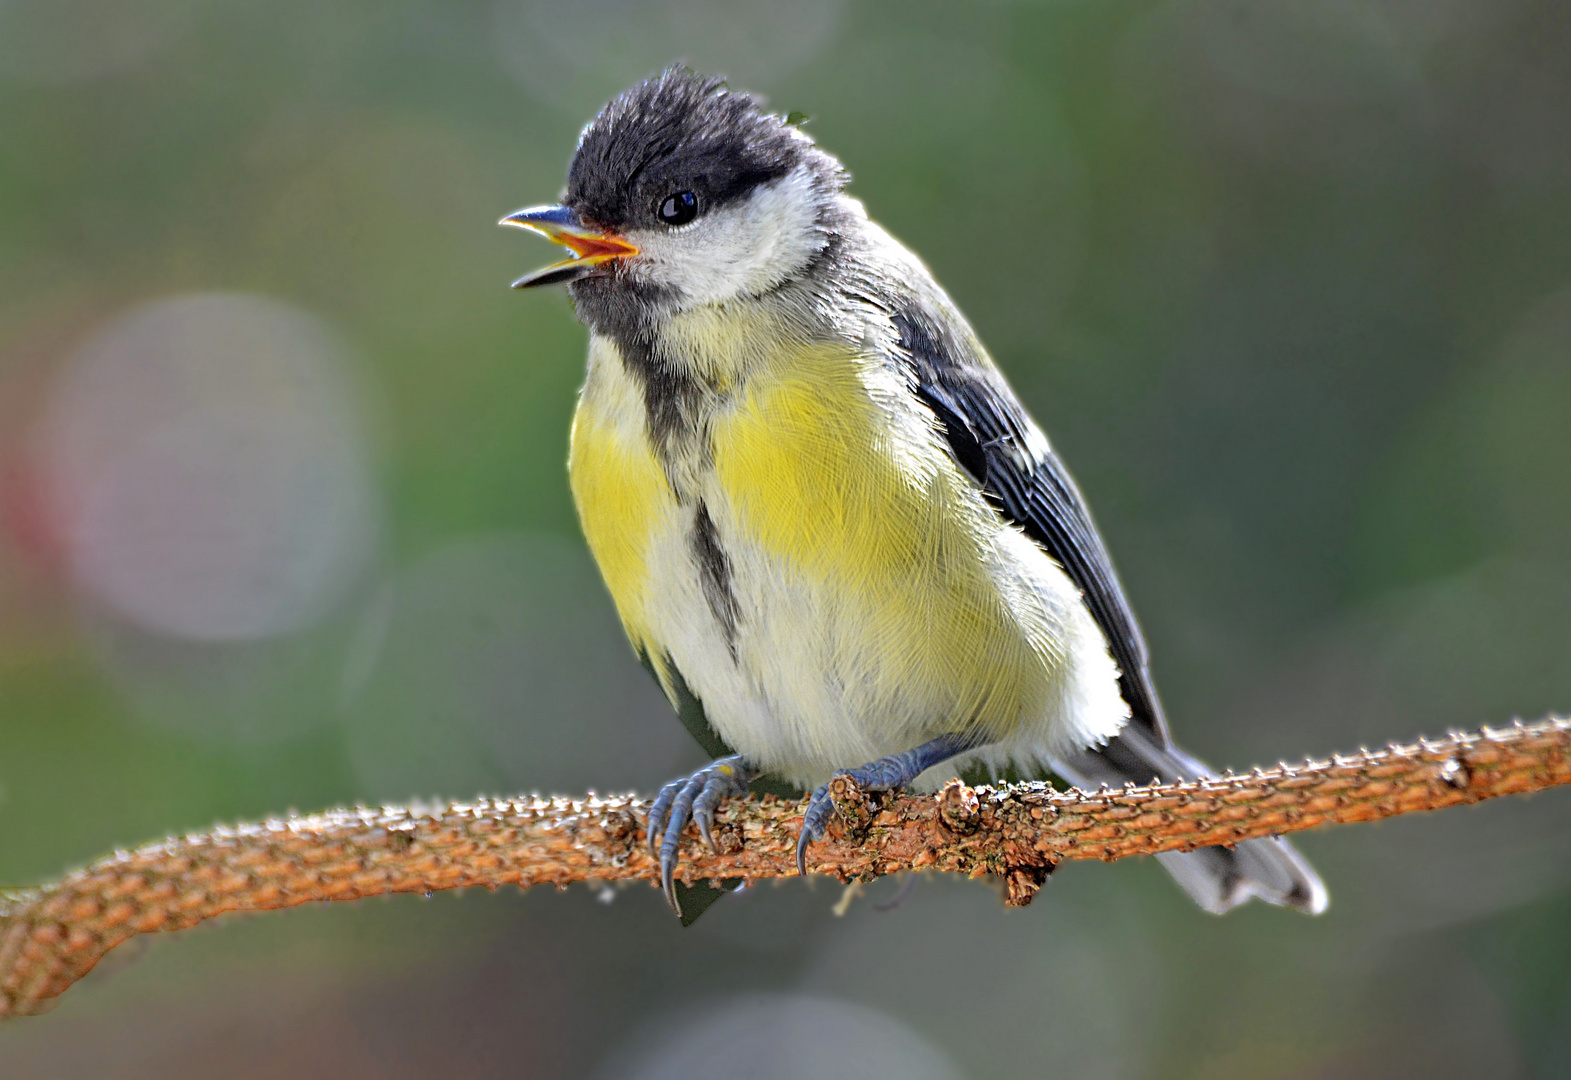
{"x": 704, "y": 818}
{"x": 659, "y": 810}
{"x": 692, "y": 798}
{"x": 716, "y": 787}
{"x": 671, "y": 843}
{"x": 814, "y": 818}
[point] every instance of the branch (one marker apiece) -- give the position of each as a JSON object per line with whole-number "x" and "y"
{"x": 52, "y": 936}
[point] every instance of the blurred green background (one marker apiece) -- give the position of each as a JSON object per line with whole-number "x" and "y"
{"x": 285, "y": 521}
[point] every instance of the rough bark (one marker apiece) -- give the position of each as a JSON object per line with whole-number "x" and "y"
{"x": 52, "y": 936}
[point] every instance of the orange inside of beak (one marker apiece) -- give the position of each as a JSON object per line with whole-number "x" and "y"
{"x": 596, "y": 246}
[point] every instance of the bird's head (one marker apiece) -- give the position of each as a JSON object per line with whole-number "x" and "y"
{"x": 684, "y": 193}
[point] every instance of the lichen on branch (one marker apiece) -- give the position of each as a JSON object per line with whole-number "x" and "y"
{"x": 52, "y": 936}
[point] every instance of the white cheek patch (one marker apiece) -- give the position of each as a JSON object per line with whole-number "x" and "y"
{"x": 743, "y": 249}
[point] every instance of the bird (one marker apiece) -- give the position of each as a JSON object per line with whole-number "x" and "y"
{"x": 829, "y": 526}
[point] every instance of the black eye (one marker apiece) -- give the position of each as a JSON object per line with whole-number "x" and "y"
{"x": 679, "y": 209}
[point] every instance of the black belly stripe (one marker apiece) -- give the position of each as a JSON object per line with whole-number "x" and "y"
{"x": 714, "y": 572}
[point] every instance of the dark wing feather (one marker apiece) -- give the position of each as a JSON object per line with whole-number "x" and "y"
{"x": 996, "y": 442}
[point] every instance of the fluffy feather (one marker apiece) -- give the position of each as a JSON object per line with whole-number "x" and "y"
{"x": 883, "y": 601}
{"x": 817, "y": 503}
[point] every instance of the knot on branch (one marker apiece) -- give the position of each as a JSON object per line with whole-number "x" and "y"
{"x": 852, "y": 806}
{"x": 958, "y": 808}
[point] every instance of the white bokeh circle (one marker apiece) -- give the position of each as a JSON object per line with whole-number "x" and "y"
{"x": 206, "y": 464}
{"x": 781, "y": 1037}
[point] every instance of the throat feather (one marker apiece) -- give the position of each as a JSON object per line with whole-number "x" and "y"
{"x": 673, "y": 397}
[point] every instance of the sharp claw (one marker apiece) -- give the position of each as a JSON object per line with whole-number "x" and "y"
{"x": 668, "y": 883}
{"x": 885, "y": 774}
{"x": 668, "y": 878}
{"x": 670, "y": 845}
{"x": 716, "y": 787}
{"x": 814, "y": 819}
{"x": 691, "y": 799}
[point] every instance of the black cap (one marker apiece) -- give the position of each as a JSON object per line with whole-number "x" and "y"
{"x": 681, "y": 132}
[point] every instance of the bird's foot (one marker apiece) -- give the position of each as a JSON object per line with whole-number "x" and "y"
{"x": 692, "y": 798}
{"x": 885, "y": 774}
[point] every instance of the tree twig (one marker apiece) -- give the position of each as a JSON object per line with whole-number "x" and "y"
{"x": 52, "y": 936}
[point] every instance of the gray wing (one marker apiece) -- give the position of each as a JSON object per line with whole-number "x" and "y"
{"x": 997, "y": 443}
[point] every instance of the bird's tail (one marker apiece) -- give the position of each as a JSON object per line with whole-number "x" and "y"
{"x": 1217, "y": 878}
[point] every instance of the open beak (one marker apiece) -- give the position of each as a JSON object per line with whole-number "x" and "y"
{"x": 562, "y": 225}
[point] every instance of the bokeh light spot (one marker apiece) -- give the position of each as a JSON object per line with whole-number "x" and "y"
{"x": 206, "y": 463}
{"x": 782, "y": 1037}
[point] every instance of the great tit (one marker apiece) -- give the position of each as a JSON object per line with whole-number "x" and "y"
{"x": 827, "y": 523}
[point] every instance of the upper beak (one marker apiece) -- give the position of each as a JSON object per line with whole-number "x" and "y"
{"x": 562, "y": 225}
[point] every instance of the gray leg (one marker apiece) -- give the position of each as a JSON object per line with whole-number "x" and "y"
{"x": 885, "y": 774}
{"x": 692, "y": 798}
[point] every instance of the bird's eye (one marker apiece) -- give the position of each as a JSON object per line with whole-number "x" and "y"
{"x": 678, "y": 209}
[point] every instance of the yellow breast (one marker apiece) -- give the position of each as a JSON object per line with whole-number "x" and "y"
{"x": 621, "y": 493}
{"x": 841, "y": 514}
{"x": 827, "y": 468}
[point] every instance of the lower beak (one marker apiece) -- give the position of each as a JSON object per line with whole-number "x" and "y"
{"x": 562, "y": 225}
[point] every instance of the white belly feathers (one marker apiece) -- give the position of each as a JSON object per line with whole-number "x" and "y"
{"x": 875, "y": 600}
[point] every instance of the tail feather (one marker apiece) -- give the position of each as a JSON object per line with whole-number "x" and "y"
{"x": 1217, "y": 878}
